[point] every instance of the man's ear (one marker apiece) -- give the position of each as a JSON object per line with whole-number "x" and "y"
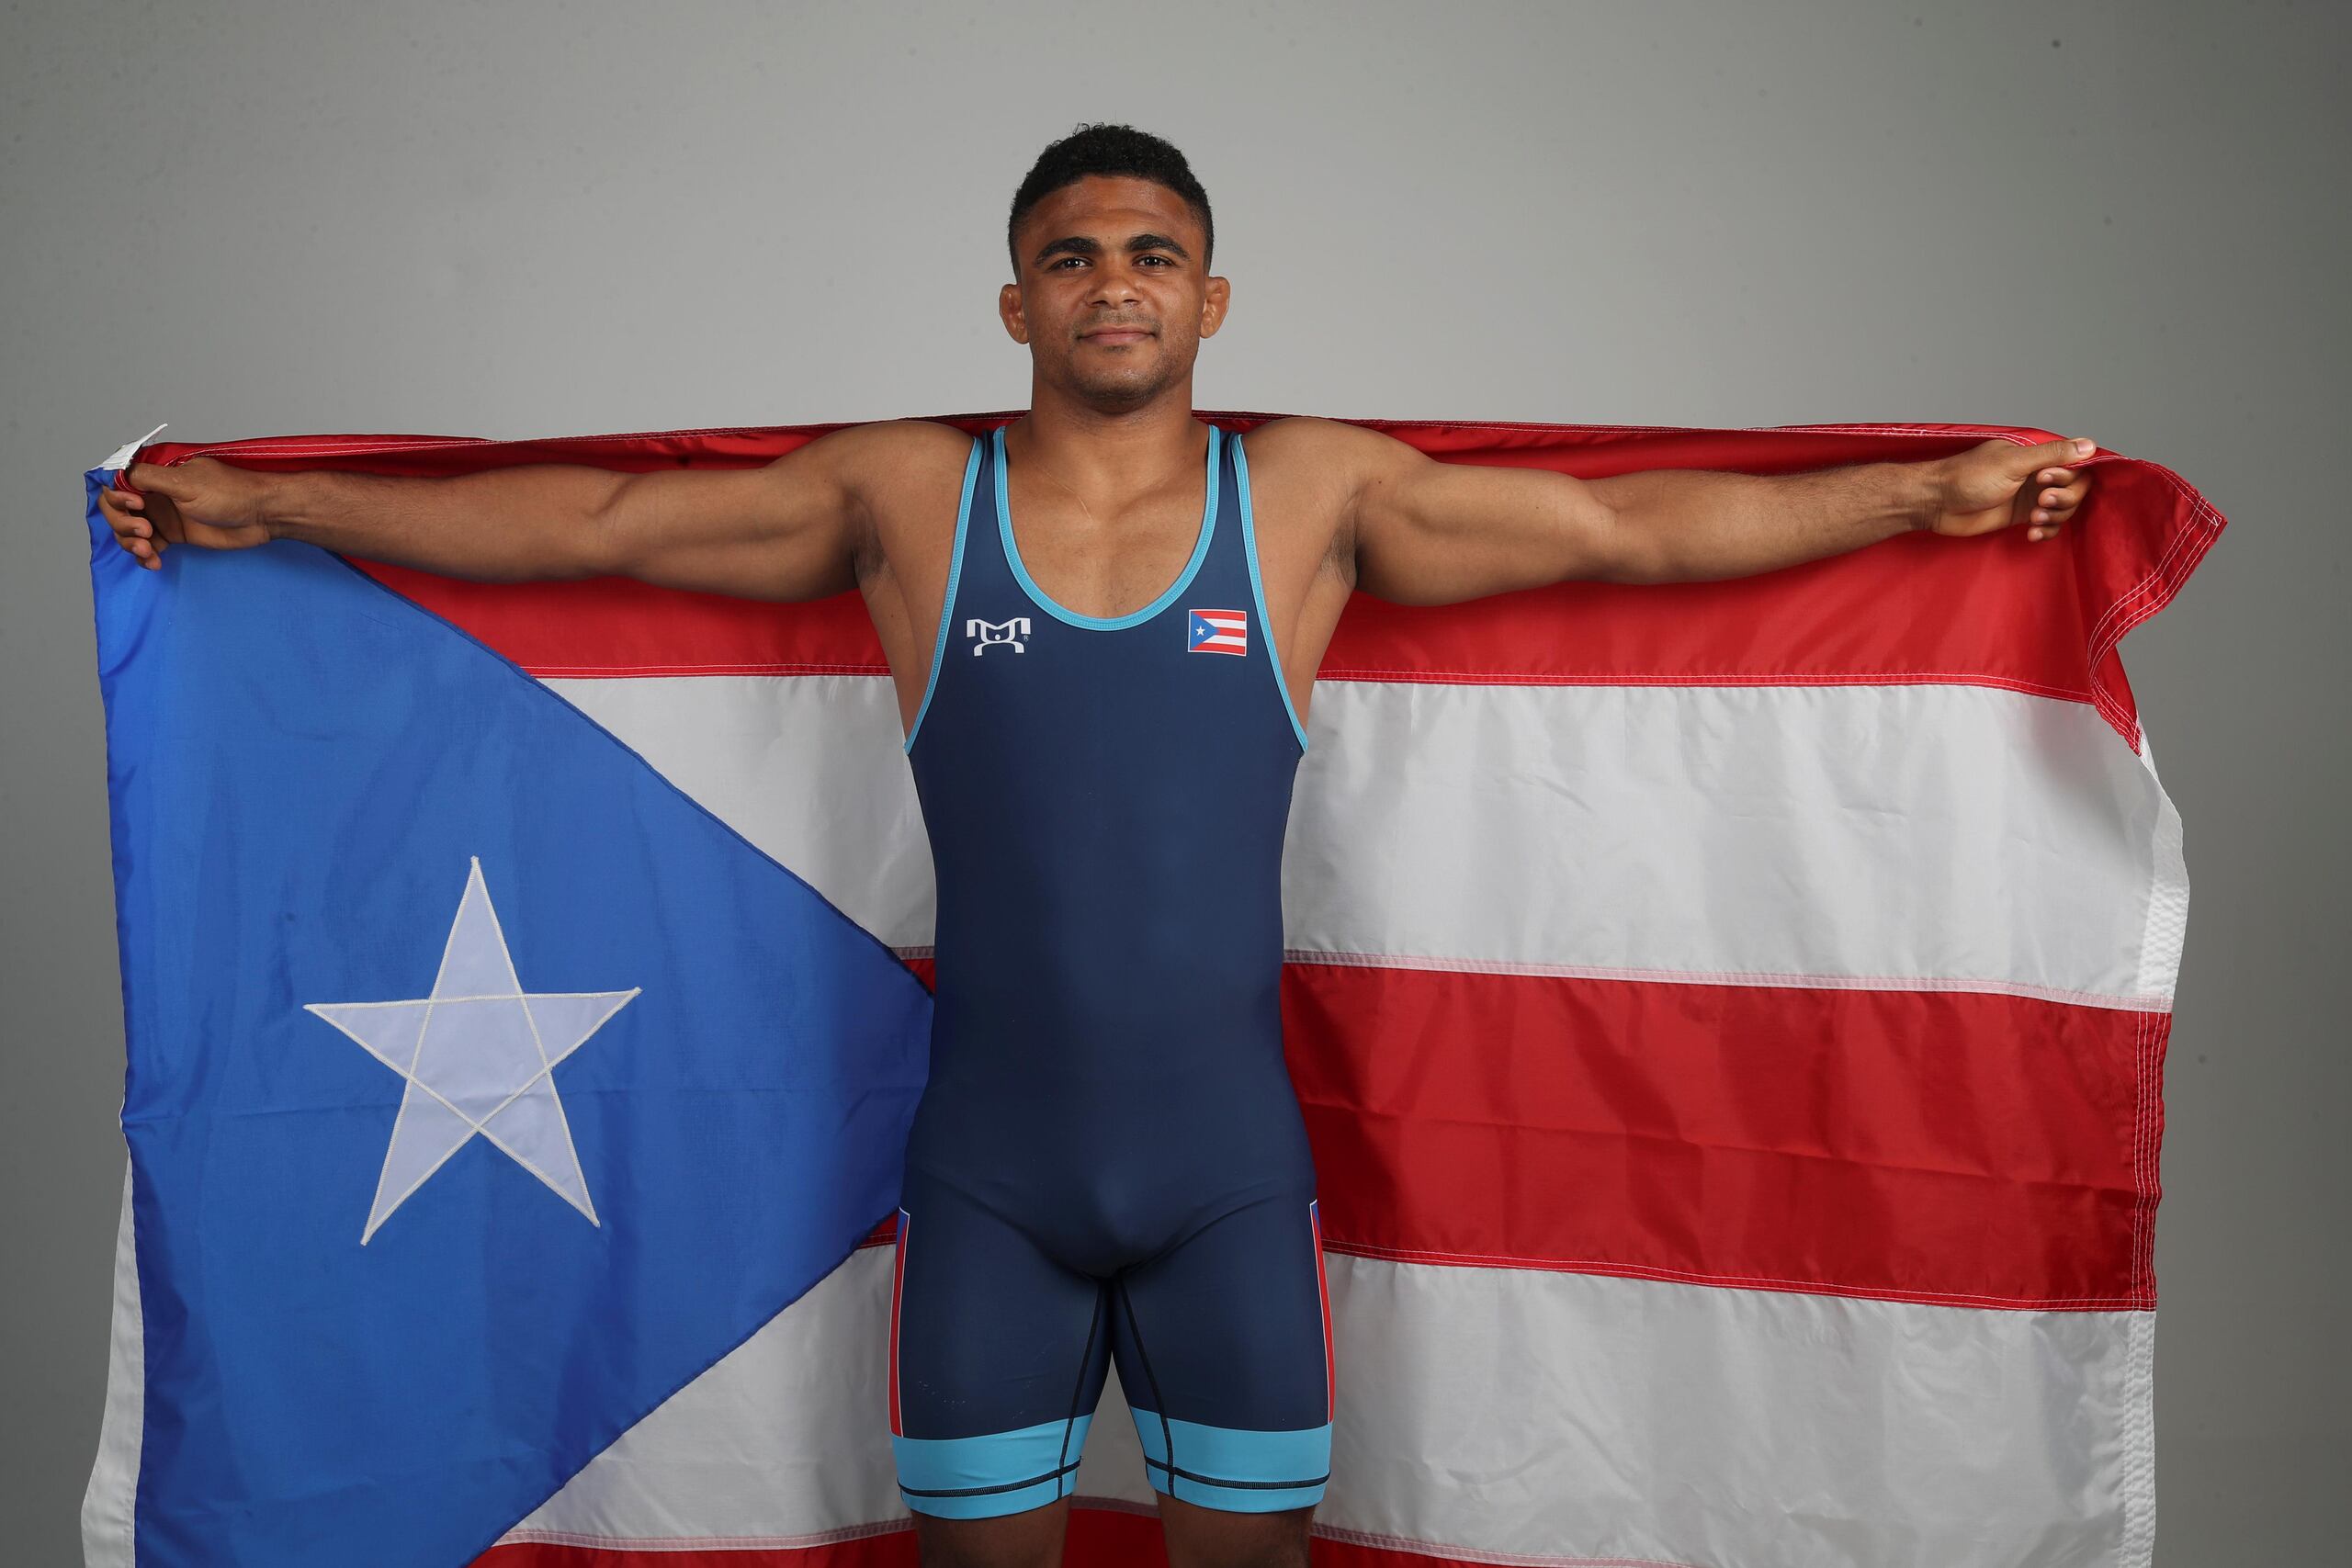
{"x": 1214, "y": 299}
{"x": 1008, "y": 310}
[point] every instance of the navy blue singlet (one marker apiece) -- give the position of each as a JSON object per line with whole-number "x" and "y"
{"x": 1108, "y": 1162}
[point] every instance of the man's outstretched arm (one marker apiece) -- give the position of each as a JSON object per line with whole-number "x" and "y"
{"x": 1425, "y": 532}
{"x": 786, "y": 531}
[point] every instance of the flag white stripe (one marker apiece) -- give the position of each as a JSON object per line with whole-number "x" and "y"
{"x": 1891, "y": 836}
{"x": 1498, "y": 1411}
{"x": 809, "y": 768}
{"x": 108, "y": 1499}
{"x": 2160, "y": 942}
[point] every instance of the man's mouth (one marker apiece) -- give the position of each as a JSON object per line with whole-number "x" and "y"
{"x": 1118, "y": 334}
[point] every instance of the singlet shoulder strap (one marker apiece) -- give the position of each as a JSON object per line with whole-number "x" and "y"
{"x": 1258, "y": 586}
{"x": 955, "y": 577}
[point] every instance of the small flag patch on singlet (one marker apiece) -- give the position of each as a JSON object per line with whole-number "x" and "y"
{"x": 1218, "y": 631}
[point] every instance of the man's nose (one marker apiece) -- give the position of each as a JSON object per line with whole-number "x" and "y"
{"x": 1113, "y": 282}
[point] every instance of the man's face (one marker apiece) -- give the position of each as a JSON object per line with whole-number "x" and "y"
{"x": 1113, "y": 298}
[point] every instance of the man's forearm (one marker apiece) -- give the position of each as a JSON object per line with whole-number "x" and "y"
{"x": 537, "y": 520}
{"x": 1690, "y": 524}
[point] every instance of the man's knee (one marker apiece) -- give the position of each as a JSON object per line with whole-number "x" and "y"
{"x": 1201, "y": 1536}
{"x": 1030, "y": 1539}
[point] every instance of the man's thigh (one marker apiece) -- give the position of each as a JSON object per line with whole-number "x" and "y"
{"x": 998, "y": 1355}
{"x": 1224, "y": 1350}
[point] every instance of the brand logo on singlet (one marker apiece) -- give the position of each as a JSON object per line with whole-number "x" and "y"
{"x": 992, "y": 634}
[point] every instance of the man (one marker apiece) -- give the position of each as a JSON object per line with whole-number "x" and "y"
{"x": 1103, "y": 622}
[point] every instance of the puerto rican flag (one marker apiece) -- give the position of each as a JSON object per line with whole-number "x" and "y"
{"x": 1729, "y": 1018}
{"x": 1218, "y": 631}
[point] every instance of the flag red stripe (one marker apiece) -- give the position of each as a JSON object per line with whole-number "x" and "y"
{"x": 1961, "y": 1148}
{"x": 1912, "y": 608}
{"x": 1956, "y": 1147}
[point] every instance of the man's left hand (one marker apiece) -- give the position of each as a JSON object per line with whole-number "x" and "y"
{"x": 2001, "y": 483}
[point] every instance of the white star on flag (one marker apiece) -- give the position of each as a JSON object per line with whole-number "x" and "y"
{"x": 478, "y": 1054}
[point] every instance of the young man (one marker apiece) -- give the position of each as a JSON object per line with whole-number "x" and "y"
{"x": 1108, "y": 1162}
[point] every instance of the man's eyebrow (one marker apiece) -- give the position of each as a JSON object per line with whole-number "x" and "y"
{"x": 1083, "y": 245}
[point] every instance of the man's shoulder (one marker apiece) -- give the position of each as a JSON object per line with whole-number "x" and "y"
{"x": 1320, "y": 463}
{"x": 1309, "y": 432}
{"x": 884, "y": 443}
{"x": 1322, "y": 450}
{"x": 936, "y": 432}
{"x": 890, "y": 465}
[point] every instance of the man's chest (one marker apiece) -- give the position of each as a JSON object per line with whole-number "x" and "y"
{"x": 1108, "y": 569}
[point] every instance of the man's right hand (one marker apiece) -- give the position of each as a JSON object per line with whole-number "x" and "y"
{"x": 203, "y": 502}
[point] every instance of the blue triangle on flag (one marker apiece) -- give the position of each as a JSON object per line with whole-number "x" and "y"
{"x": 305, "y": 771}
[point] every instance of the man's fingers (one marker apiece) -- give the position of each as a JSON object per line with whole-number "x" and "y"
{"x": 2055, "y": 505}
{"x": 125, "y": 525}
{"x": 132, "y": 530}
{"x": 2062, "y": 487}
{"x": 127, "y": 522}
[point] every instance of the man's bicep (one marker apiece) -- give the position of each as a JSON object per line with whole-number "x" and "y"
{"x": 1429, "y": 532}
{"x": 785, "y": 531}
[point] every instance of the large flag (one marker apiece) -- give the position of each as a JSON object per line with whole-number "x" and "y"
{"x": 1729, "y": 1016}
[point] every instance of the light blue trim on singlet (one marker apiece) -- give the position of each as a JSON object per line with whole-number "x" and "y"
{"x": 954, "y": 574}
{"x": 1105, "y": 622}
{"x": 1257, "y": 592}
{"x": 1236, "y": 1470}
{"x": 996, "y": 1473}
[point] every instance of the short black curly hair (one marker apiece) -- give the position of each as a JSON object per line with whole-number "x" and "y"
{"x": 1106, "y": 148}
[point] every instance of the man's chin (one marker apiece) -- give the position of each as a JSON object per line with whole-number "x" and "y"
{"x": 1127, "y": 391}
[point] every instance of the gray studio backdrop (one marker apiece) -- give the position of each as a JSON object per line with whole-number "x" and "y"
{"x": 2123, "y": 222}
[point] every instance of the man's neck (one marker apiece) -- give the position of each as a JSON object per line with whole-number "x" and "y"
{"x": 1109, "y": 454}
